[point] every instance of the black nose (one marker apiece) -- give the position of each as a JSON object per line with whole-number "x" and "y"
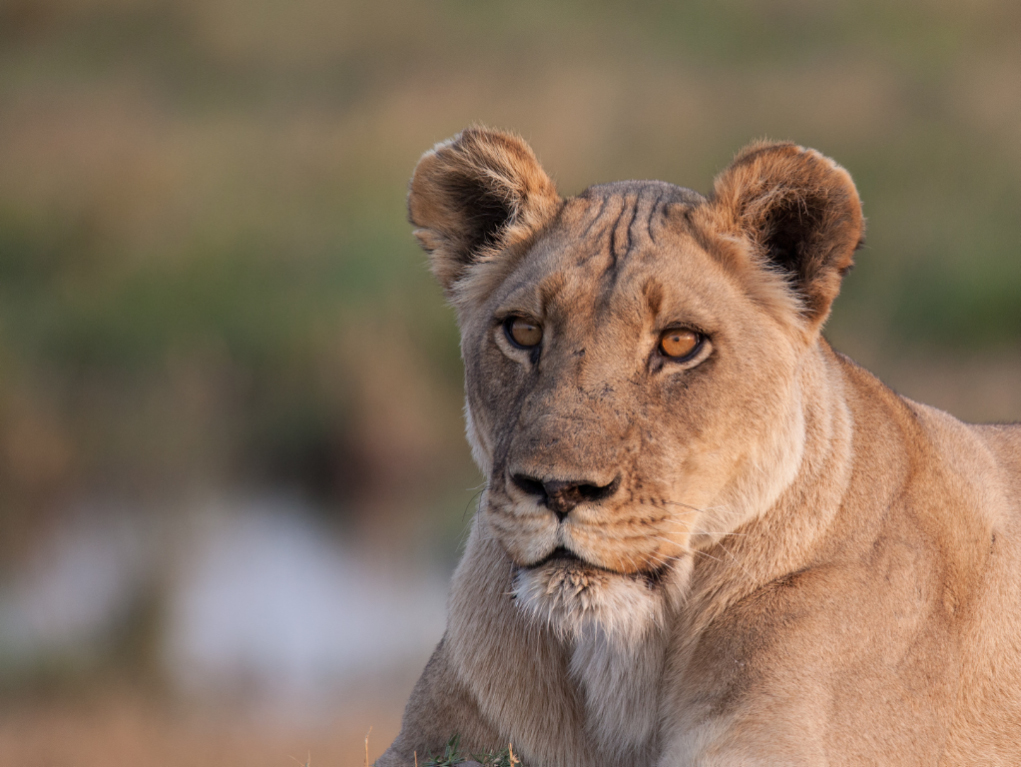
{"x": 561, "y": 496}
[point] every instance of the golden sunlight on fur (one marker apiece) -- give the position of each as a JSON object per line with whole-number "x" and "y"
{"x": 706, "y": 538}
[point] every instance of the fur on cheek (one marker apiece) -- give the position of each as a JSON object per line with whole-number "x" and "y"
{"x": 575, "y": 602}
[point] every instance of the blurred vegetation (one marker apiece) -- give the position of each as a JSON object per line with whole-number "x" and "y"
{"x": 206, "y": 277}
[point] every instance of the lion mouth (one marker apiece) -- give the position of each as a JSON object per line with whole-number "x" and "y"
{"x": 564, "y": 559}
{"x": 561, "y": 554}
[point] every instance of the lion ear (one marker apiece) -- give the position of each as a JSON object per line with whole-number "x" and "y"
{"x": 475, "y": 195}
{"x": 802, "y": 213}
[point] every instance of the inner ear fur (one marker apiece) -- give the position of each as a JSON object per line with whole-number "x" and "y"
{"x": 801, "y": 212}
{"x": 476, "y": 195}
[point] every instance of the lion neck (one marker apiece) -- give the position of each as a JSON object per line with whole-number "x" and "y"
{"x": 783, "y": 535}
{"x": 620, "y": 686}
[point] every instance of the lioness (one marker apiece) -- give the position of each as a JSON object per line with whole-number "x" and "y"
{"x": 706, "y": 538}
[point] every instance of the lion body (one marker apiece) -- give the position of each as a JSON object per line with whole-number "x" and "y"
{"x": 762, "y": 554}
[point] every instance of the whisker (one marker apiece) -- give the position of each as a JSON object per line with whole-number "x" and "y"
{"x": 698, "y": 531}
{"x": 682, "y": 528}
{"x": 478, "y": 493}
{"x": 736, "y": 561}
{"x": 710, "y": 556}
{"x": 664, "y": 539}
{"x": 659, "y": 558}
{"x": 693, "y": 508}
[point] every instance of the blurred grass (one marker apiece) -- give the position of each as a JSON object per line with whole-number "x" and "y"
{"x": 206, "y": 277}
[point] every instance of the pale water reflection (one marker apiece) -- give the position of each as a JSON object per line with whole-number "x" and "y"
{"x": 257, "y": 597}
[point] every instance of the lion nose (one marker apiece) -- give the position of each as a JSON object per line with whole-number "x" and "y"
{"x": 561, "y": 496}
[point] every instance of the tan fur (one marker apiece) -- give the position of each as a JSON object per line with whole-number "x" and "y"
{"x": 773, "y": 559}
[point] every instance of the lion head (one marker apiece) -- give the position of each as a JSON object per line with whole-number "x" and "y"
{"x": 632, "y": 358}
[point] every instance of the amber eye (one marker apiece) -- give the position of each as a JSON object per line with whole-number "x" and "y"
{"x": 523, "y": 333}
{"x": 679, "y": 343}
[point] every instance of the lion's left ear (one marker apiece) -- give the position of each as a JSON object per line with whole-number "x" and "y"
{"x": 801, "y": 211}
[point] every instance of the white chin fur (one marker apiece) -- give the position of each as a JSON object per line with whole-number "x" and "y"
{"x": 576, "y": 601}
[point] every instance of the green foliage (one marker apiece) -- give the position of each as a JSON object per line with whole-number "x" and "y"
{"x": 452, "y": 756}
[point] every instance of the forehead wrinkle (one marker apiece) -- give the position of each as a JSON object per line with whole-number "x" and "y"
{"x": 620, "y": 303}
{"x": 653, "y": 292}
{"x": 670, "y": 282}
{"x": 602, "y": 242}
{"x": 623, "y": 235}
{"x": 597, "y": 214}
{"x": 597, "y": 218}
{"x": 650, "y": 219}
{"x": 551, "y": 288}
{"x": 581, "y": 235}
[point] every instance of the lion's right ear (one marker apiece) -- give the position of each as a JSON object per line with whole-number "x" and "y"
{"x": 801, "y": 212}
{"x": 475, "y": 195}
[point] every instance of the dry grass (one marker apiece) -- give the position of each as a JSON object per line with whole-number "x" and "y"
{"x": 125, "y": 730}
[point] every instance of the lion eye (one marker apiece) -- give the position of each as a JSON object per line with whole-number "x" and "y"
{"x": 523, "y": 333}
{"x": 679, "y": 343}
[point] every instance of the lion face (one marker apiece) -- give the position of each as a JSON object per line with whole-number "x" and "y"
{"x": 627, "y": 402}
{"x": 608, "y": 458}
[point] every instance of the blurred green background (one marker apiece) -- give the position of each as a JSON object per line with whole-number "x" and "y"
{"x": 208, "y": 287}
